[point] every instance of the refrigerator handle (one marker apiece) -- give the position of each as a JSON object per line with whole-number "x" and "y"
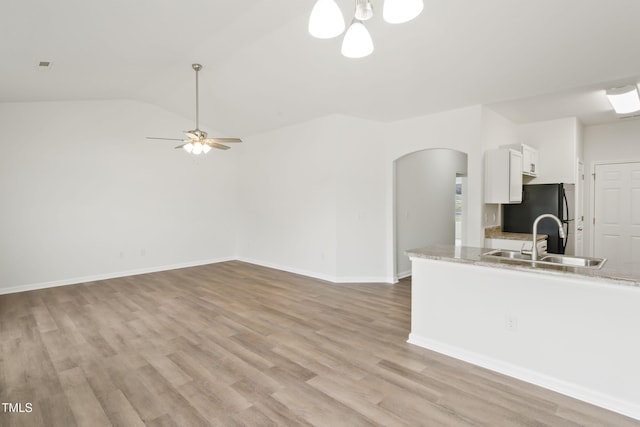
{"x": 565, "y": 220}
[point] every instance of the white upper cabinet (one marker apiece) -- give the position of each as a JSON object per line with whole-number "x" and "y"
{"x": 529, "y": 161}
{"x": 529, "y": 158}
{"x": 503, "y": 176}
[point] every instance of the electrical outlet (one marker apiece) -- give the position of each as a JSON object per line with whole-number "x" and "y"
{"x": 511, "y": 323}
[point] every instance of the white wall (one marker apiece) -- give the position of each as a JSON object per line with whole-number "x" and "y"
{"x": 456, "y": 129}
{"x": 86, "y": 196}
{"x": 311, "y": 200}
{"x": 496, "y": 131}
{"x": 612, "y": 142}
{"x": 91, "y": 198}
{"x": 558, "y": 144}
{"x": 287, "y": 198}
{"x": 317, "y": 198}
{"x": 360, "y": 201}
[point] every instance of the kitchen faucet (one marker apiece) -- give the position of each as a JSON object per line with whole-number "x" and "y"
{"x": 534, "y": 249}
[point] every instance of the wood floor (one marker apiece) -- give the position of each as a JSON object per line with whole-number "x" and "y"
{"x": 233, "y": 344}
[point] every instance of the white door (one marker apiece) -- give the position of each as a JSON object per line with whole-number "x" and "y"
{"x": 617, "y": 212}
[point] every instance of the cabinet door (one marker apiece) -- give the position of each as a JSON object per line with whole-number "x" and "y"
{"x": 533, "y": 166}
{"x": 515, "y": 176}
{"x": 503, "y": 176}
{"x": 529, "y": 160}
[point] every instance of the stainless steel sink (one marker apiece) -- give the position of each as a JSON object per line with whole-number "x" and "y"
{"x": 550, "y": 259}
{"x": 574, "y": 261}
{"x": 507, "y": 254}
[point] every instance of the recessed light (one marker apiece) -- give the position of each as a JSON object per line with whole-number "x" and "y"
{"x": 624, "y": 99}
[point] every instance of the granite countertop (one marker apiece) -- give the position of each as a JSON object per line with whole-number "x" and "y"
{"x": 497, "y": 233}
{"x": 616, "y": 273}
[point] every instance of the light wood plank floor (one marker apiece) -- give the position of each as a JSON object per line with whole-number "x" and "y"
{"x": 234, "y": 344}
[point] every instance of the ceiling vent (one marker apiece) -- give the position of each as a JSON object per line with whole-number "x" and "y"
{"x": 44, "y": 65}
{"x": 633, "y": 116}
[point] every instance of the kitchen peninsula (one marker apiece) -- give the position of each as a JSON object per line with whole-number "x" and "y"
{"x": 573, "y": 330}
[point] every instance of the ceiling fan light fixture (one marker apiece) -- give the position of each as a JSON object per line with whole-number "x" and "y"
{"x": 357, "y": 42}
{"x": 326, "y": 20}
{"x": 401, "y": 11}
{"x": 625, "y": 99}
{"x": 196, "y": 142}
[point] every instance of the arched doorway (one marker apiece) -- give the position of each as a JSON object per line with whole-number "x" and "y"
{"x": 428, "y": 198}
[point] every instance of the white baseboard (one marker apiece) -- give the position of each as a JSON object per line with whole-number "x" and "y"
{"x": 400, "y": 276}
{"x": 404, "y": 274}
{"x": 363, "y": 279}
{"x": 288, "y": 269}
{"x": 114, "y": 275}
{"x": 315, "y": 275}
{"x": 629, "y": 409}
{"x": 106, "y": 276}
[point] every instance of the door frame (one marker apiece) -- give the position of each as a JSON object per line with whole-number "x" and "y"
{"x": 578, "y": 202}
{"x": 592, "y": 197}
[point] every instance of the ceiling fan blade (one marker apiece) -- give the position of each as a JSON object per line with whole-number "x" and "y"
{"x": 191, "y": 134}
{"x": 165, "y": 139}
{"x": 196, "y": 137}
{"x": 223, "y": 140}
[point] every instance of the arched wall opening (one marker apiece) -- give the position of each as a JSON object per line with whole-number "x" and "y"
{"x": 429, "y": 194}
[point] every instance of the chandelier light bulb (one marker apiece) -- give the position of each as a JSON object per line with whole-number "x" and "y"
{"x": 357, "y": 42}
{"x": 197, "y": 148}
{"x": 326, "y": 20}
{"x": 206, "y": 148}
{"x": 188, "y": 147}
{"x": 400, "y": 11}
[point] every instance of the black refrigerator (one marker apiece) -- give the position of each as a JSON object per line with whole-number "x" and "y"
{"x": 538, "y": 199}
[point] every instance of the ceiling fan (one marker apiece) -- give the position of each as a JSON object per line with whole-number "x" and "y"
{"x": 197, "y": 141}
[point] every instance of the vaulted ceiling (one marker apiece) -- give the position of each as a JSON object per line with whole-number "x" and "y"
{"x": 262, "y": 70}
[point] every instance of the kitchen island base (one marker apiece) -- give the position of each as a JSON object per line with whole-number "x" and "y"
{"x": 576, "y": 336}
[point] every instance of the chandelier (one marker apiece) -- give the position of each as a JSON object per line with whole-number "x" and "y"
{"x": 326, "y": 22}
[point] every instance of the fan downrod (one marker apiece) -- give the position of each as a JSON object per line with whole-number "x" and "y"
{"x": 197, "y": 140}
